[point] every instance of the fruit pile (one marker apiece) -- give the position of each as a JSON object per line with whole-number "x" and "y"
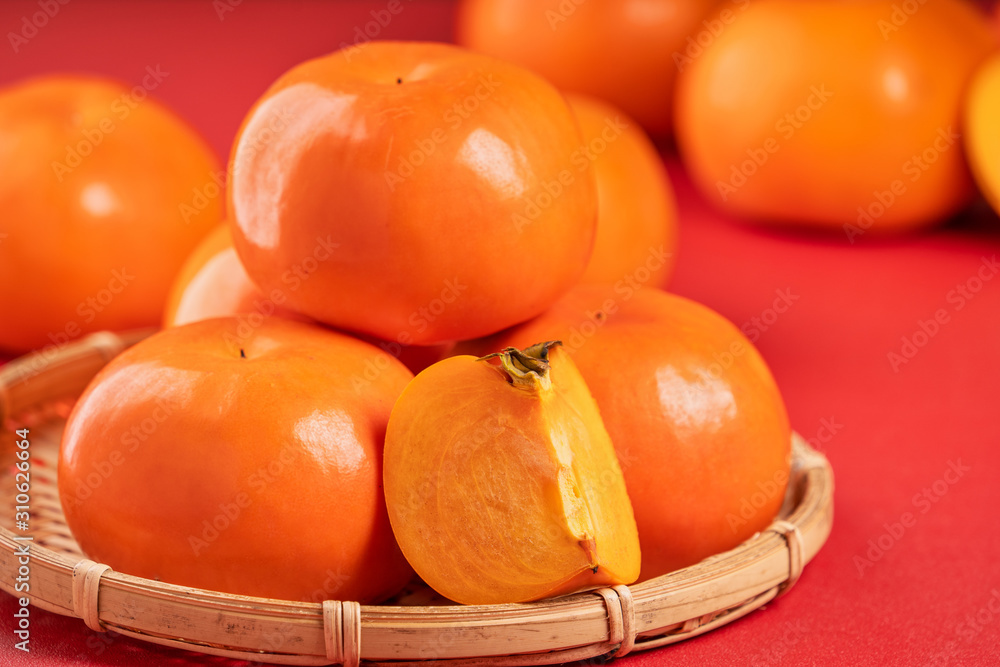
{"x": 570, "y": 425}
{"x": 430, "y": 334}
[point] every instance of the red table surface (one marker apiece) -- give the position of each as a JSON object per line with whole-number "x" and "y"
{"x": 877, "y": 593}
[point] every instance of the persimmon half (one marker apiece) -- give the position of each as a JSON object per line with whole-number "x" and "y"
{"x": 636, "y": 214}
{"x": 502, "y": 483}
{"x": 982, "y": 129}
{"x": 93, "y": 177}
{"x": 213, "y": 283}
{"x": 253, "y": 469}
{"x": 627, "y": 52}
{"x": 417, "y": 185}
{"x": 698, "y": 423}
{"x": 834, "y": 115}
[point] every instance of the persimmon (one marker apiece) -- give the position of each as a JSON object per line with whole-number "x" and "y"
{"x": 627, "y": 53}
{"x": 834, "y": 115}
{"x": 636, "y": 214}
{"x": 982, "y": 129}
{"x": 501, "y": 481}
{"x": 92, "y": 178}
{"x": 248, "y": 465}
{"x": 213, "y": 283}
{"x": 698, "y": 423}
{"x": 414, "y": 184}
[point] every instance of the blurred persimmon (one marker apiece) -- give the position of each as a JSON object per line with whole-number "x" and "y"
{"x": 982, "y": 129}
{"x": 253, "y": 469}
{"x": 213, "y": 283}
{"x": 93, "y": 178}
{"x": 837, "y": 115}
{"x": 627, "y": 52}
{"x": 636, "y": 214}
{"x": 502, "y": 483}
{"x": 696, "y": 418}
{"x": 414, "y": 188}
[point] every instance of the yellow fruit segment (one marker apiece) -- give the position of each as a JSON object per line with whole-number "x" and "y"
{"x": 982, "y": 129}
{"x": 503, "y": 491}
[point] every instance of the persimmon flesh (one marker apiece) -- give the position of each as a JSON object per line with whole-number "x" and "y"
{"x": 502, "y": 483}
{"x": 698, "y": 422}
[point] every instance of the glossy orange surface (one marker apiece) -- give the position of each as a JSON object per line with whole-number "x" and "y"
{"x": 838, "y": 115}
{"x": 627, "y": 52}
{"x": 213, "y": 283}
{"x": 502, "y": 483}
{"x": 244, "y": 464}
{"x": 982, "y": 129}
{"x": 637, "y": 217}
{"x": 700, "y": 428}
{"x": 93, "y": 176}
{"x": 406, "y": 189}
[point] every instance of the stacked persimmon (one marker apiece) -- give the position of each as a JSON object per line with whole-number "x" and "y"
{"x": 269, "y": 442}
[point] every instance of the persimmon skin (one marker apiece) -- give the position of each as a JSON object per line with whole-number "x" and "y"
{"x": 272, "y": 444}
{"x": 213, "y": 283}
{"x": 91, "y": 179}
{"x": 838, "y": 103}
{"x": 636, "y": 213}
{"x": 498, "y": 493}
{"x": 982, "y": 132}
{"x": 435, "y": 174}
{"x": 698, "y": 439}
{"x": 622, "y": 51}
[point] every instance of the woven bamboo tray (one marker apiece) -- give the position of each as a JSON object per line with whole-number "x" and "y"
{"x": 37, "y": 392}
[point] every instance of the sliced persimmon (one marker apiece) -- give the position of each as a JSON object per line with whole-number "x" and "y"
{"x": 502, "y": 483}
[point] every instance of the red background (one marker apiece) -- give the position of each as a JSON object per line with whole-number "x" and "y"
{"x": 897, "y": 431}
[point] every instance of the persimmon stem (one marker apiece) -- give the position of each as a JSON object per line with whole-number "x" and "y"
{"x": 526, "y": 369}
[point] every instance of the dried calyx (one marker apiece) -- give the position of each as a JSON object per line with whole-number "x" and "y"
{"x": 528, "y": 368}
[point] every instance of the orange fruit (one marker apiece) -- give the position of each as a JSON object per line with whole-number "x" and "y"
{"x": 92, "y": 178}
{"x": 982, "y": 129}
{"x": 627, "y": 52}
{"x": 213, "y": 283}
{"x": 636, "y": 215}
{"x": 502, "y": 483}
{"x": 251, "y": 468}
{"x": 834, "y": 115}
{"x": 696, "y": 418}
{"x": 415, "y": 186}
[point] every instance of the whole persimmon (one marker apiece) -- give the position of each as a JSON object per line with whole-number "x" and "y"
{"x": 502, "y": 483}
{"x": 93, "y": 176}
{"x": 627, "y": 52}
{"x": 834, "y": 115}
{"x": 696, "y": 418}
{"x": 213, "y": 283}
{"x": 636, "y": 214}
{"x": 982, "y": 129}
{"x": 252, "y": 468}
{"x": 417, "y": 186}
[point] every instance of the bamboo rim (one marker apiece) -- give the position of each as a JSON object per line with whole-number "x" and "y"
{"x": 609, "y": 622}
